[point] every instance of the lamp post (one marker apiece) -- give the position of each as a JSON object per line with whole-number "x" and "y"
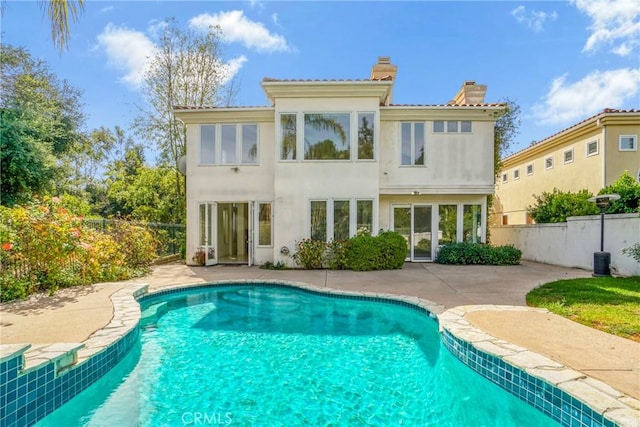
{"x": 602, "y": 259}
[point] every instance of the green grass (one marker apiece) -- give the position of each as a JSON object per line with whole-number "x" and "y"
{"x": 605, "y": 303}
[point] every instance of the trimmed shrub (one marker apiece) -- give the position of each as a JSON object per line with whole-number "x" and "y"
{"x": 386, "y": 251}
{"x": 478, "y": 253}
{"x": 336, "y": 254}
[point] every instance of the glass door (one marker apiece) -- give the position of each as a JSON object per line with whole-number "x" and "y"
{"x": 414, "y": 223}
{"x": 208, "y": 245}
{"x": 421, "y": 233}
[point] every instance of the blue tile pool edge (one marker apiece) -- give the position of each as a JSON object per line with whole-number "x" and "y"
{"x": 568, "y": 396}
{"x": 34, "y": 382}
{"x": 25, "y": 398}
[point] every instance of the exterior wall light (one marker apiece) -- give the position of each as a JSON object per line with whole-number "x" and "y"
{"x": 284, "y": 250}
{"x": 602, "y": 259}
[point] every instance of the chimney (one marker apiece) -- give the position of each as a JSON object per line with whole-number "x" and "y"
{"x": 470, "y": 93}
{"x": 385, "y": 70}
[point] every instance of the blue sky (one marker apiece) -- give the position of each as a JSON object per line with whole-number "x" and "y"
{"x": 560, "y": 61}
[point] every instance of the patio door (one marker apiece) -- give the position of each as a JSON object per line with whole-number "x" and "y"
{"x": 208, "y": 242}
{"x": 414, "y": 223}
{"x": 234, "y": 226}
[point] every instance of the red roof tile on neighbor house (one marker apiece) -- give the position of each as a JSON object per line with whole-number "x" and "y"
{"x": 604, "y": 111}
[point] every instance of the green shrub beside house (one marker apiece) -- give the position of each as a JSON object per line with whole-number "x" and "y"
{"x": 478, "y": 253}
{"x": 363, "y": 252}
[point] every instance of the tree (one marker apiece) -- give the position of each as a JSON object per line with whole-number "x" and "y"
{"x": 506, "y": 128}
{"x": 59, "y": 12}
{"x": 187, "y": 69}
{"x": 42, "y": 116}
{"x": 558, "y": 205}
{"x": 628, "y": 190}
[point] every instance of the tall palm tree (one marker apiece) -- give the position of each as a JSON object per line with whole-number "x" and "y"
{"x": 59, "y": 12}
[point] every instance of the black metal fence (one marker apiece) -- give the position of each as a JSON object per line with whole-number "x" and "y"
{"x": 171, "y": 236}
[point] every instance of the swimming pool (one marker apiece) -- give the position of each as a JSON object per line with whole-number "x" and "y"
{"x": 256, "y": 355}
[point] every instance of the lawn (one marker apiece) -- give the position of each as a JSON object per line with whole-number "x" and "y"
{"x": 605, "y": 303}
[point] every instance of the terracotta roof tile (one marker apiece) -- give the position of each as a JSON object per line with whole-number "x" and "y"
{"x": 580, "y": 123}
{"x": 214, "y": 107}
{"x": 270, "y": 79}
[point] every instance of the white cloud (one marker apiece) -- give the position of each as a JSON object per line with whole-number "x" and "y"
{"x": 614, "y": 23}
{"x": 127, "y": 50}
{"x": 566, "y": 102}
{"x": 231, "y": 68}
{"x": 106, "y": 9}
{"x": 534, "y": 19}
{"x": 274, "y": 18}
{"x": 236, "y": 27}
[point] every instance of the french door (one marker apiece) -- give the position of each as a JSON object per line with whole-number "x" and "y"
{"x": 414, "y": 223}
{"x": 208, "y": 248}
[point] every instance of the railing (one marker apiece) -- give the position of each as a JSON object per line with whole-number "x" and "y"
{"x": 169, "y": 235}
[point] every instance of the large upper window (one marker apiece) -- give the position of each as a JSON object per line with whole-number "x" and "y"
{"x": 327, "y": 136}
{"x": 219, "y": 144}
{"x": 365, "y": 136}
{"x": 412, "y": 143}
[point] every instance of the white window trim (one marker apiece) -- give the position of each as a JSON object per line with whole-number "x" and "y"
{"x": 505, "y": 178}
{"x": 527, "y": 169}
{"x": 516, "y": 174}
{"x": 545, "y": 163}
{"x": 635, "y": 143}
{"x": 564, "y": 159}
{"x": 595, "y": 153}
{"x": 413, "y": 145}
{"x": 215, "y": 144}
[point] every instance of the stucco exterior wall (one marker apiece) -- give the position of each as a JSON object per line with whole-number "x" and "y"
{"x": 619, "y": 161}
{"x": 455, "y": 162}
{"x": 584, "y": 172}
{"x": 572, "y": 243}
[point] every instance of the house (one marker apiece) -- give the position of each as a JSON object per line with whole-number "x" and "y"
{"x": 330, "y": 157}
{"x": 588, "y": 155}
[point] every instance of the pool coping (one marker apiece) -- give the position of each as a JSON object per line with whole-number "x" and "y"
{"x": 613, "y": 405}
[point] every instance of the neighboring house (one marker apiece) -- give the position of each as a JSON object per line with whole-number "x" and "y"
{"x": 588, "y": 155}
{"x": 330, "y": 157}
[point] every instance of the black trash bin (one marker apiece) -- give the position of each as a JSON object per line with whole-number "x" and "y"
{"x": 601, "y": 261}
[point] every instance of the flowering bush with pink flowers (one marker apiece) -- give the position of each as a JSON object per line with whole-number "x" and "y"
{"x": 44, "y": 246}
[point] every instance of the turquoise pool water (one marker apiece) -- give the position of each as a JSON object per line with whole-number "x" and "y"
{"x": 264, "y": 356}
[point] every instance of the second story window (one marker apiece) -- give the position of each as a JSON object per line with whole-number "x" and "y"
{"x": 219, "y": 144}
{"x": 548, "y": 163}
{"x": 412, "y": 144}
{"x": 365, "y": 136}
{"x": 516, "y": 174}
{"x": 452, "y": 126}
{"x": 592, "y": 148}
{"x": 288, "y": 127}
{"x": 568, "y": 156}
{"x": 327, "y": 136}
{"x": 628, "y": 143}
{"x": 530, "y": 169}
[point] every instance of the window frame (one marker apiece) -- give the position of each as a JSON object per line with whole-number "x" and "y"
{"x": 529, "y": 169}
{"x": 633, "y": 138}
{"x": 329, "y": 214}
{"x": 445, "y": 126}
{"x": 564, "y": 156}
{"x": 596, "y": 152}
{"x": 239, "y": 136}
{"x": 349, "y": 136}
{"x": 257, "y": 216}
{"x": 412, "y": 159}
{"x": 516, "y": 174}
{"x": 546, "y": 160}
{"x": 505, "y": 178}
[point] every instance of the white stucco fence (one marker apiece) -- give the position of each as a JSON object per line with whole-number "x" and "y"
{"x": 572, "y": 243}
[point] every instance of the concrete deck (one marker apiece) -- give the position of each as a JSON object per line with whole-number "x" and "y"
{"x": 72, "y": 315}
